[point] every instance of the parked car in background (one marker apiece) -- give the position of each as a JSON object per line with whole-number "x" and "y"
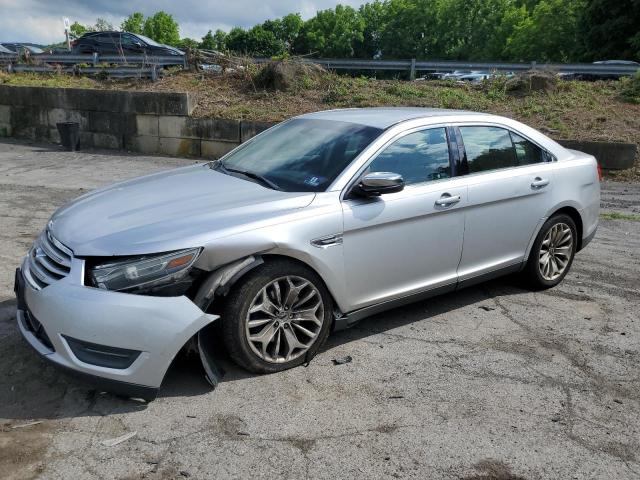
{"x": 310, "y": 226}
{"x": 5, "y": 51}
{"x": 115, "y": 43}
{"x": 617, "y": 62}
{"x": 602, "y": 76}
{"x": 20, "y": 47}
{"x": 456, "y": 74}
{"x": 474, "y": 77}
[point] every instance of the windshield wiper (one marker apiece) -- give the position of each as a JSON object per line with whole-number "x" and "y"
{"x": 254, "y": 176}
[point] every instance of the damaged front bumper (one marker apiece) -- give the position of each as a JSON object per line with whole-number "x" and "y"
{"x": 124, "y": 343}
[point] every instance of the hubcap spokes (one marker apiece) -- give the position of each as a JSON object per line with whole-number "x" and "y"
{"x": 284, "y": 319}
{"x": 555, "y": 251}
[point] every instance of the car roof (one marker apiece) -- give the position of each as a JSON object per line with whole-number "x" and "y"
{"x": 385, "y": 117}
{"x": 102, "y": 32}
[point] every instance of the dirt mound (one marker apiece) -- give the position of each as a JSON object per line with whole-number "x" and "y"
{"x": 532, "y": 81}
{"x": 285, "y": 74}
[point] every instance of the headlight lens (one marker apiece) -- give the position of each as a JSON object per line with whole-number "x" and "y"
{"x": 144, "y": 271}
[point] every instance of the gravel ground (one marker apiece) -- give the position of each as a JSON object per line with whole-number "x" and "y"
{"x": 493, "y": 382}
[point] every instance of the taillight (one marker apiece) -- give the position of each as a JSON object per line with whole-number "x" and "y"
{"x": 599, "y": 173}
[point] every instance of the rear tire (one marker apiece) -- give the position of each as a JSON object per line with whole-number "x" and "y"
{"x": 277, "y": 317}
{"x": 552, "y": 253}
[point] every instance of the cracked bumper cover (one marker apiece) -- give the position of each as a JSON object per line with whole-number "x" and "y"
{"x": 158, "y": 327}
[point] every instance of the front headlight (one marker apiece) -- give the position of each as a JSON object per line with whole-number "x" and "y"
{"x": 146, "y": 272}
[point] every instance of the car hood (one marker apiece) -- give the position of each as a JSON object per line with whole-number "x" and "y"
{"x": 166, "y": 211}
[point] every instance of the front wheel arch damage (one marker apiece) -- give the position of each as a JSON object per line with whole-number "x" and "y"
{"x": 210, "y": 295}
{"x": 216, "y": 284}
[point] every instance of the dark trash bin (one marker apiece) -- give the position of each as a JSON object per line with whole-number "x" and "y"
{"x": 69, "y": 135}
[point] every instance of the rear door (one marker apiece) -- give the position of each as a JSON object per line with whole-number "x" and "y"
{"x": 407, "y": 242}
{"x": 108, "y": 42}
{"x": 510, "y": 180}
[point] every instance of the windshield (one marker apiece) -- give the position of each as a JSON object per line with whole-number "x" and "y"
{"x": 148, "y": 41}
{"x": 302, "y": 155}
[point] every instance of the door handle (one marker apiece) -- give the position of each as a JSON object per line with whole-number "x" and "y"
{"x": 539, "y": 182}
{"x": 446, "y": 199}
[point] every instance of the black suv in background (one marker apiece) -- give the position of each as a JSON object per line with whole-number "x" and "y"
{"x": 120, "y": 43}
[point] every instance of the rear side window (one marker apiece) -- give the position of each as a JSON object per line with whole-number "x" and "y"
{"x": 493, "y": 148}
{"x": 419, "y": 157}
{"x": 488, "y": 148}
{"x": 106, "y": 38}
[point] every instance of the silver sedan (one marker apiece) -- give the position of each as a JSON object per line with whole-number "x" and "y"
{"x": 309, "y": 227}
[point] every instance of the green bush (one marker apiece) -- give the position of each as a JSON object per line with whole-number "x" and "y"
{"x": 630, "y": 88}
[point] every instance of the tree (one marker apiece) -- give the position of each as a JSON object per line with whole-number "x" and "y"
{"x": 373, "y": 16}
{"x": 133, "y": 23}
{"x": 237, "y": 40}
{"x": 257, "y": 41}
{"x": 551, "y": 33}
{"x": 208, "y": 42}
{"x": 410, "y": 29}
{"x": 331, "y": 33}
{"x": 220, "y": 40}
{"x": 162, "y": 28}
{"x": 101, "y": 26}
{"x": 285, "y": 29}
{"x": 263, "y": 43}
{"x": 477, "y": 29}
{"x": 215, "y": 41}
{"x": 611, "y": 30}
{"x": 77, "y": 30}
{"x": 187, "y": 44}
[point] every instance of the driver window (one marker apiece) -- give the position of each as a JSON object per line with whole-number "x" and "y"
{"x": 419, "y": 157}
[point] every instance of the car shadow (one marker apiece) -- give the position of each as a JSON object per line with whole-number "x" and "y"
{"x": 186, "y": 376}
{"x": 30, "y": 388}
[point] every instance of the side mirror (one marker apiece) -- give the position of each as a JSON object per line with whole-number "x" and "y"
{"x": 379, "y": 183}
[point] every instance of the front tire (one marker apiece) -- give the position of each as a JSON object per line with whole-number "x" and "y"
{"x": 552, "y": 252}
{"x": 277, "y": 318}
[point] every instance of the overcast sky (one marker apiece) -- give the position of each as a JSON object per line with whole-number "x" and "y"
{"x": 40, "y": 21}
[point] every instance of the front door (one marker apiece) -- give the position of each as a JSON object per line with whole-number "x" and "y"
{"x": 408, "y": 242}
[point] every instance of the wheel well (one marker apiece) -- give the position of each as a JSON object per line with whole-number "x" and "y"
{"x": 275, "y": 257}
{"x": 577, "y": 219}
{"x": 265, "y": 258}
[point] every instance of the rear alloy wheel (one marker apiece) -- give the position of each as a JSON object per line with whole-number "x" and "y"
{"x": 277, "y": 318}
{"x": 555, "y": 252}
{"x": 552, "y": 253}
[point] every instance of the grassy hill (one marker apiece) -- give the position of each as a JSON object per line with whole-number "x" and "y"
{"x": 602, "y": 110}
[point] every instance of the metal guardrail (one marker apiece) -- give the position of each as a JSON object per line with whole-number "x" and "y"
{"x": 126, "y": 66}
{"x": 112, "y": 72}
{"x": 43, "y": 62}
{"x": 96, "y": 59}
{"x": 413, "y": 66}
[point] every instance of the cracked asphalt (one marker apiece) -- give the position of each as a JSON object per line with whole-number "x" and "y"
{"x": 493, "y": 382}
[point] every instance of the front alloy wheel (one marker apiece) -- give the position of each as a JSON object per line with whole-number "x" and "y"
{"x": 284, "y": 319}
{"x": 277, "y": 317}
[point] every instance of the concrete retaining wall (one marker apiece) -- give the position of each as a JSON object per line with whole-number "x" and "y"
{"x": 145, "y": 122}
{"x": 160, "y": 122}
{"x": 610, "y": 155}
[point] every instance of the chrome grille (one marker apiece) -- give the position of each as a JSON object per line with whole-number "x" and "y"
{"x": 49, "y": 261}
